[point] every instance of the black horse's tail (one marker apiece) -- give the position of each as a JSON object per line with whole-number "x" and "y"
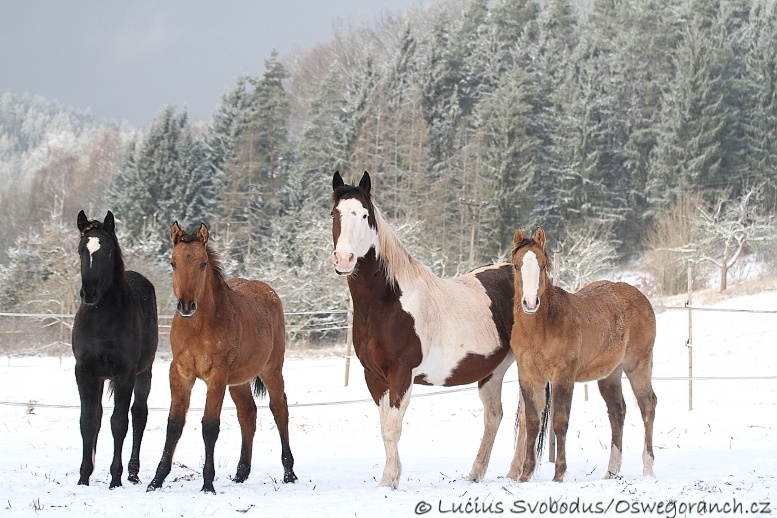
{"x": 259, "y": 389}
{"x": 545, "y": 421}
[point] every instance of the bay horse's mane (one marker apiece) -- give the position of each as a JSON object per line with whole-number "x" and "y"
{"x": 398, "y": 264}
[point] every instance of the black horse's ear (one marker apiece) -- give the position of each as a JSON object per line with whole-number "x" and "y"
{"x": 108, "y": 223}
{"x": 203, "y": 234}
{"x": 176, "y": 233}
{"x": 83, "y": 221}
{"x": 365, "y": 183}
{"x": 337, "y": 181}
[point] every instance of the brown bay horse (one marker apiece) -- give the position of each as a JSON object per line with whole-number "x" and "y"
{"x": 227, "y": 333}
{"x": 410, "y": 326}
{"x": 598, "y": 333}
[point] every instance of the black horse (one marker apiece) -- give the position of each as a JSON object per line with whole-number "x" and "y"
{"x": 115, "y": 338}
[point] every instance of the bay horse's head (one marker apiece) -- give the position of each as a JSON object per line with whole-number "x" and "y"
{"x": 354, "y": 230}
{"x": 531, "y": 263}
{"x": 190, "y": 260}
{"x": 101, "y": 262}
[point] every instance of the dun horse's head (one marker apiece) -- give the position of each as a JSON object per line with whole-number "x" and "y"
{"x": 99, "y": 252}
{"x": 190, "y": 262}
{"x": 530, "y": 262}
{"x": 354, "y": 230}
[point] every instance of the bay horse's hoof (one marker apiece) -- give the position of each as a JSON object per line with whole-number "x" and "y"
{"x": 289, "y": 477}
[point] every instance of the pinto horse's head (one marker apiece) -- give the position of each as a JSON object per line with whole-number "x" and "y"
{"x": 530, "y": 262}
{"x": 190, "y": 262}
{"x": 100, "y": 257}
{"x": 354, "y": 230}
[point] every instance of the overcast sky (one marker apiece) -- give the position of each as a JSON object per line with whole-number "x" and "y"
{"x": 126, "y": 59}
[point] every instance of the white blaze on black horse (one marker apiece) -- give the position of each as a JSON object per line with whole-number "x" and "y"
{"x": 114, "y": 338}
{"x": 409, "y": 326}
{"x": 600, "y": 332}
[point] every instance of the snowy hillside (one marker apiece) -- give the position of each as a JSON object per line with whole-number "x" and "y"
{"x": 723, "y": 452}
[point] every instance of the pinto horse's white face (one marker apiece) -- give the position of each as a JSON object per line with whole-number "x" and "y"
{"x": 352, "y": 233}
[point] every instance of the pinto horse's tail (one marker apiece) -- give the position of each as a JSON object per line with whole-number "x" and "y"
{"x": 259, "y": 389}
{"x": 545, "y": 421}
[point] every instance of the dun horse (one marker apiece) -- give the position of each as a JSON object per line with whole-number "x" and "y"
{"x": 410, "y": 326}
{"x": 598, "y": 333}
{"x": 114, "y": 338}
{"x": 227, "y": 333}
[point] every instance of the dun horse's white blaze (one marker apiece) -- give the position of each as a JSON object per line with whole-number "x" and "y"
{"x": 530, "y": 275}
{"x": 93, "y": 245}
{"x": 356, "y": 236}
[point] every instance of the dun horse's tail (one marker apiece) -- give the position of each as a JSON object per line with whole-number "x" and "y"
{"x": 259, "y": 389}
{"x": 545, "y": 421}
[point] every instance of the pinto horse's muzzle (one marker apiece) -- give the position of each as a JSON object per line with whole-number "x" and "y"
{"x": 186, "y": 309}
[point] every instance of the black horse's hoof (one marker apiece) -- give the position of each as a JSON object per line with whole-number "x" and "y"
{"x": 83, "y": 482}
{"x": 134, "y": 479}
{"x": 208, "y": 488}
{"x": 289, "y": 477}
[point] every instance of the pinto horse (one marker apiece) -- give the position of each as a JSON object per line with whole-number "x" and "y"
{"x": 410, "y": 326}
{"x": 227, "y": 333}
{"x": 598, "y": 333}
{"x": 114, "y": 338}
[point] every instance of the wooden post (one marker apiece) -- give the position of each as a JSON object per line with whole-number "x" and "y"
{"x": 690, "y": 336}
{"x": 349, "y": 340}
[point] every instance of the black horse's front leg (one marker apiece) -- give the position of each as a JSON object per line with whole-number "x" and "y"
{"x": 90, "y": 393}
{"x": 120, "y": 425}
{"x": 139, "y": 419}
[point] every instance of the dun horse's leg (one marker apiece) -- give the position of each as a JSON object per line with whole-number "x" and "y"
{"x": 490, "y": 393}
{"x": 211, "y": 422}
{"x": 640, "y": 380}
{"x": 562, "y": 405}
{"x": 90, "y": 392}
{"x": 280, "y": 411}
{"x": 533, "y": 397}
{"x": 246, "y": 416}
{"x": 139, "y": 419}
{"x": 516, "y": 466}
{"x": 180, "y": 392}
{"x": 120, "y": 424}
{"x": 612, "y": 392}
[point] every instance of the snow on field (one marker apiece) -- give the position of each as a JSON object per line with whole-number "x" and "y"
{"x": 723, "y": 452}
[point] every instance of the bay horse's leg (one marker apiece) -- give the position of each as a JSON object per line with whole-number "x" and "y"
{"x": 246, "y": 416}
{"x": 120, "y": 423}
{"x": 516, "y": 466}
{"x": 490, "y": 392}
{"x": 180, "y": 394}
{"x": 641, "y": 384}
{"x": 211, "y": 423}
{"x": 612, "y": 392}
{"x": 563, "y": 387}
{"x": 90, "y": 390}
{"x": 279, "y": 407}
{"x": 533, "y": 401}
{"x": 139, "y": 420}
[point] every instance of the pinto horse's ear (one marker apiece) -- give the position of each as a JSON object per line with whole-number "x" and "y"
{"x": 365, "y": 183}
{"x": 539, "y": 237}
{"x": 109, "y": 225}
{"x": 203, "y": 234}
{"x": 518, "y": 237}
{"x": 176, "y": 233}
{"x": 337, "y": 181}
{"x": 83, "y": 221}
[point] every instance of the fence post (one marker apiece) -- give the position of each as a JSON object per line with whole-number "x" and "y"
{"x": 689, "y": 343}
{"x": 348, "y": 339}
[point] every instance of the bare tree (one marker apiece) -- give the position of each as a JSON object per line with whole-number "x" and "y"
{"x": 725, "y": 229}
{"x": 585, "y": 250}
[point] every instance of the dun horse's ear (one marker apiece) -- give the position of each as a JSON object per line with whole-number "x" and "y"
{"x": 539, "y": 237}
{"x": 518, "y": 237}
{"x": 176, "y": 233}
{"x": 337, "y": 180}
{"x": 109, "y": 225}
{"x": 83, "y": 221}
{"x": 203, "y": 234}
{"x": 365, "y": 183}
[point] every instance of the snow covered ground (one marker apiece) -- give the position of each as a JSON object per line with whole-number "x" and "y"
{"x": 723, "y": 452}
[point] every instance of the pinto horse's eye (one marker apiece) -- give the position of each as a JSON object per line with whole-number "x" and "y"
{"x": 332, "y": 214}
{"x": 517, "y": 268}
{"x": 364, "y": 217}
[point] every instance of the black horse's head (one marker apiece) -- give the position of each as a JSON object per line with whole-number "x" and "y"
{"x": 100, "y": 257}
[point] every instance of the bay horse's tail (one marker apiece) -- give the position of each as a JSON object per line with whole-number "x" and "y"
{"x": 259, "y": 389}
{"x": 545, "y": 421}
